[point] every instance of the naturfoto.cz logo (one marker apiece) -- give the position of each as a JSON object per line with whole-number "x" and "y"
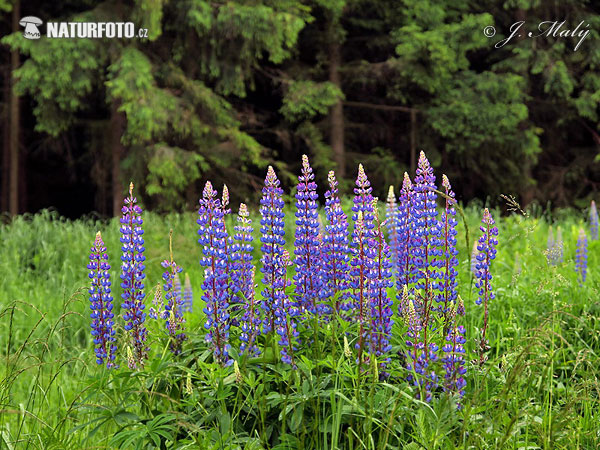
{"x": 81, "y": 30}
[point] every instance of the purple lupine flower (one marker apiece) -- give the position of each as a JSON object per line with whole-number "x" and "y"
{"x": 427, "y": 260}
{"x": 593, "y": 221}
{"x": 454, "y": 361}
{"x": 188, "y": 295}
{"x": 251, "y": 321}
{"x": 272, "y": 239}
{"x": 487, "y": 252}
{"x": 581, "y": 256}
{"x": 213, "y": 239}
{"x": 101, "y": 304}
{"x": 381, "y": 304}
{"x": 361, "y": 265}
{"x": 336, "y": 252}
{"x": 132, "y": 279}
{"x": 242, "y": 252}
{"x": 307, "y": 279}
{"x": 448, "y": 281}
{"x": 392, "y": 224}
{"x": 285, "y": 311}
{"x": 406, "y": 237}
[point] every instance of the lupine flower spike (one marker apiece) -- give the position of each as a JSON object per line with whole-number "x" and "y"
{"x": 188, "y": 295}
{"x": 242, "y": 253}
{"x": 392, "y": 225}
{"x": 487, "y": 252}
{"x": 308, "y": 279}
{"x": 593, "y": 221}
{"x": 581, "y": 256}
{"x": 448, "y": 284}
{"x": 158, "y": 306}
{"x": 336, "y": 252}
{"x": 132, "y": 279}
{"x": 172, "y": 313}
{"x": 426, "y": 228}
{"x": 213, "y": 239}
{"x": 101, "y": 304}
{"x": 363, "y": 255}
{"x": 406, "y": 236}
{"x": 426, "y": 245}
{"x": 272, "y": 239}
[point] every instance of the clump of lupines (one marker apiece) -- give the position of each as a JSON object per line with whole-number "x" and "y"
{"x": 593, "y": 221}
{"x": 336, "y": 252}
{"x": 251, "y": 321}
{"x": 308, "y": 279}
{"x": 487, "y": 252}
{"x": 172, "y": 312}
{"x": 381, "y": 305}
{"x": 213, "y": 239}
{"x": 132, "y": 279}
{"x": 272, "y": 239}
{"x": 581, "y": 256}
{"x": 101, "y": 304}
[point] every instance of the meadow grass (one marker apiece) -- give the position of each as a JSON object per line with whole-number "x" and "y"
{"x": 539, "y": 389}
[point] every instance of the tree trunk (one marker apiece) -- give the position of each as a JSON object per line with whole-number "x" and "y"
{"x": 117, "y": 127}
{"x": 413, "y": 141}
{"x": 14, "y": 122}
{"x": 336, "y": 115}
{"x": 5, "y": 176}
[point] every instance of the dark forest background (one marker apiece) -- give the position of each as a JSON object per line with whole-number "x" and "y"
{"x": 220, "y": 89}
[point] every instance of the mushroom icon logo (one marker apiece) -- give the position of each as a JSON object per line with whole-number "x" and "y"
{"x": 31, "y": 24}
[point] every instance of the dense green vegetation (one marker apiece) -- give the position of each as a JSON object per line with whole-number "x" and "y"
{"x": 538, "y": 390}
{"x": 220, "y": 89}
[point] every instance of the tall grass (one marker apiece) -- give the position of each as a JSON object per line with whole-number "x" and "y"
{"x": 539, "y": 389}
